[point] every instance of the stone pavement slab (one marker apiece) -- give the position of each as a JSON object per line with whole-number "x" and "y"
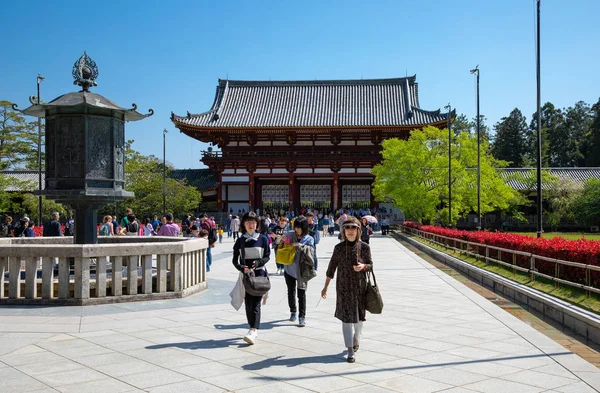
{"x": 435, "y": 335}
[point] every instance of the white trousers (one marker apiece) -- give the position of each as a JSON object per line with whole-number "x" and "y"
{"x": 352, "y": 331}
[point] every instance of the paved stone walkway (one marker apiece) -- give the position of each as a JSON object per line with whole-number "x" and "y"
{"x": 435, "y": 335}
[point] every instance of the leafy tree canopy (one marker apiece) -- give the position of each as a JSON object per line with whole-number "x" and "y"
{"x": 18, "y": 140}
{"x": 414, "y": 174}
{"x": 144, "y": 176}
{"x": 511, "y": 139}
{"x": 586, "y": 206}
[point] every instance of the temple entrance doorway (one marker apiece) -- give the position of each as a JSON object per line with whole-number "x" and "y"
{"x": 315, "y": 196}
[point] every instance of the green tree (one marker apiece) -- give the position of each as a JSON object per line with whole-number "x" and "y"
{"x": 557, "y": 145}
{"x": 591, "y": 151}
{"x": 18, "y": 140}
{"x": 29, "y": 206}
{"x": 510, "y": 141}
{"x": 414, "y": 174}
{"x": 463, "y": 124}
{"x": 586, "y": 206}
{"x": 144, "y": 177}
{"x": 560, "y": 197}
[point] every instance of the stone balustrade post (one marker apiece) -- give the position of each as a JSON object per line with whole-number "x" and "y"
{"x": 82, "y": 278}
{"x": 3, "y": 269}
{"x": 31, "y": 278}
{"x": 117, "y": 276}
{"x": 14, "y": 278}
{"x": 147, "y": 274}
{"x": 101, "y": 276}
{"x": 176, "y": 273}
{"x": 161, "y": 273}
{"x": 132, "y": 274}
{"x": 64, "y": 272}
{"x": 47, "y": 277}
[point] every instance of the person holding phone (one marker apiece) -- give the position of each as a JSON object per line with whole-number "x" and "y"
{"x": 251, "y": 251}
{"x": 301, "y": 270}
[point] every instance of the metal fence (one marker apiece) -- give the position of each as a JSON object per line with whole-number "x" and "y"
{"x": 586, "y": 276}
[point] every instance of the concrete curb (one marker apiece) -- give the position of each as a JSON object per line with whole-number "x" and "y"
{"x": 580, "y": 321}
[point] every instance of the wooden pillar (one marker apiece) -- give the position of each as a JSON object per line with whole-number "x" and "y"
{"x": 373, "y": 203}
{"x": 220, "y": 193}
{"x": 251, "y": 200}
{"x": 291, "y": 192}
{"x": 336, "y": 192}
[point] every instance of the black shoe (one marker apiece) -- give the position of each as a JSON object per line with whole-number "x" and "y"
{"x": 351, "y": 359}
{"x": 355, "y": 348}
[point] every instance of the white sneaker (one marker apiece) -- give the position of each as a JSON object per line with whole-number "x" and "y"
{"x": 251, "y": 337}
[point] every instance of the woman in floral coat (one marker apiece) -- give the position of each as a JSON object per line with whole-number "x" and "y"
{"x": 351, "y": 259}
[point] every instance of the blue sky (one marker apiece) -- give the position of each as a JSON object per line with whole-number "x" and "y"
{"x": 168, "y": 55}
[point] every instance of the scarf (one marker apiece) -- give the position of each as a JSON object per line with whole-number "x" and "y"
{"x": 249, "y": 238}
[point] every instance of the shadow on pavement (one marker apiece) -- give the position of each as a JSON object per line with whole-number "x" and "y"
{"x": 263, "y": 325}
{"x": 206, "y": 344}
{"x": 281, "y": 361}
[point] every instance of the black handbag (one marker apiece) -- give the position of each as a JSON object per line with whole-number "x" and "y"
{"x": 373, "y": 300}
{"x": 253, "y": 284}
{"x": 256, "y": 285}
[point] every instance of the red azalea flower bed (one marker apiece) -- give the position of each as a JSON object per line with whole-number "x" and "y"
{"x": 39, "y": 231}
{"x": 582, "y": 251}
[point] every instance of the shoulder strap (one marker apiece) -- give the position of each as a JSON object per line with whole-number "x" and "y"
{"x": 369, "y": 274}
{"x": 242, "y": 251}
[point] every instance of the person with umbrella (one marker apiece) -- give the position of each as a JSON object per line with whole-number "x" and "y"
{"x": 366, "y": 230}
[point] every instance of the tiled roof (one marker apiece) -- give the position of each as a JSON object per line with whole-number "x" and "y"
{"x": 31, "y": 177}
{"x": 202, "y": 179}
{"x": 85, "y": 98}
{"x": 525, "y": 178}
{"x": 325, "y": 103}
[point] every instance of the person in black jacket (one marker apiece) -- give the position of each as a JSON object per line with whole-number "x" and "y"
{"x": 251, "y": 251}
{"x": 52, "y": 228}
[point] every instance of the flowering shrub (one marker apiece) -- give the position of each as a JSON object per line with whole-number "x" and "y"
{"x": 582, "y": 250}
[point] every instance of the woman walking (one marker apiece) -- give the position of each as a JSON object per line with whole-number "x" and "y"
{"x": 351, "y": 259}
{"x": 301, "y": 270}
{"x": 366, "y": 231}
{"x": 251, "y": 252}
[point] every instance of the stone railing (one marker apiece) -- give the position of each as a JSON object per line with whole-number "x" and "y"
{"x": 117, "y": 269}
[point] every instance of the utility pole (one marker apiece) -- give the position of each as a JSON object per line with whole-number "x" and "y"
{"x": 39, "y": 151}
{"x": 449, "y": 163}
{"x": 539, "y": 131}
{"x": 165, "y": 132}
{"x": 476, "y": 71}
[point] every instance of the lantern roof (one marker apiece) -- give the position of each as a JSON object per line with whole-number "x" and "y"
{"x": 85, "y": 72}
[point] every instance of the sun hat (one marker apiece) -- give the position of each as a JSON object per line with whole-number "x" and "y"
{"x": 351, "y": 222}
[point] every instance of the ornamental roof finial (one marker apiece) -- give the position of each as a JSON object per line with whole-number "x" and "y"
{"x": 85, "y": 72}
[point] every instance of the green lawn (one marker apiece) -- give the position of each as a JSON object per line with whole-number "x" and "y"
{"x": 566, "y": 235}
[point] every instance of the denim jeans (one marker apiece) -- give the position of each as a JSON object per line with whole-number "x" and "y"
{"x": 208, "y": 258}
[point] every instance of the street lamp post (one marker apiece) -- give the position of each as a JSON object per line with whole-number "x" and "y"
{"x": 165, "y": 132}
{"x": 39, "y": 151}
{"x": 476, "y": 71}
{"x": 449, "y": 164}
{"x": 539, "y": 131}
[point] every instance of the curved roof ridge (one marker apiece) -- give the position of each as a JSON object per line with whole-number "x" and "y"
{"x": 383, "y": 81}
{"x": 434, "y": 112}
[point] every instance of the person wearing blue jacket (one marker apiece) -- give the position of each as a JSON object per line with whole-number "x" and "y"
{"x": 303, "y": 242}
